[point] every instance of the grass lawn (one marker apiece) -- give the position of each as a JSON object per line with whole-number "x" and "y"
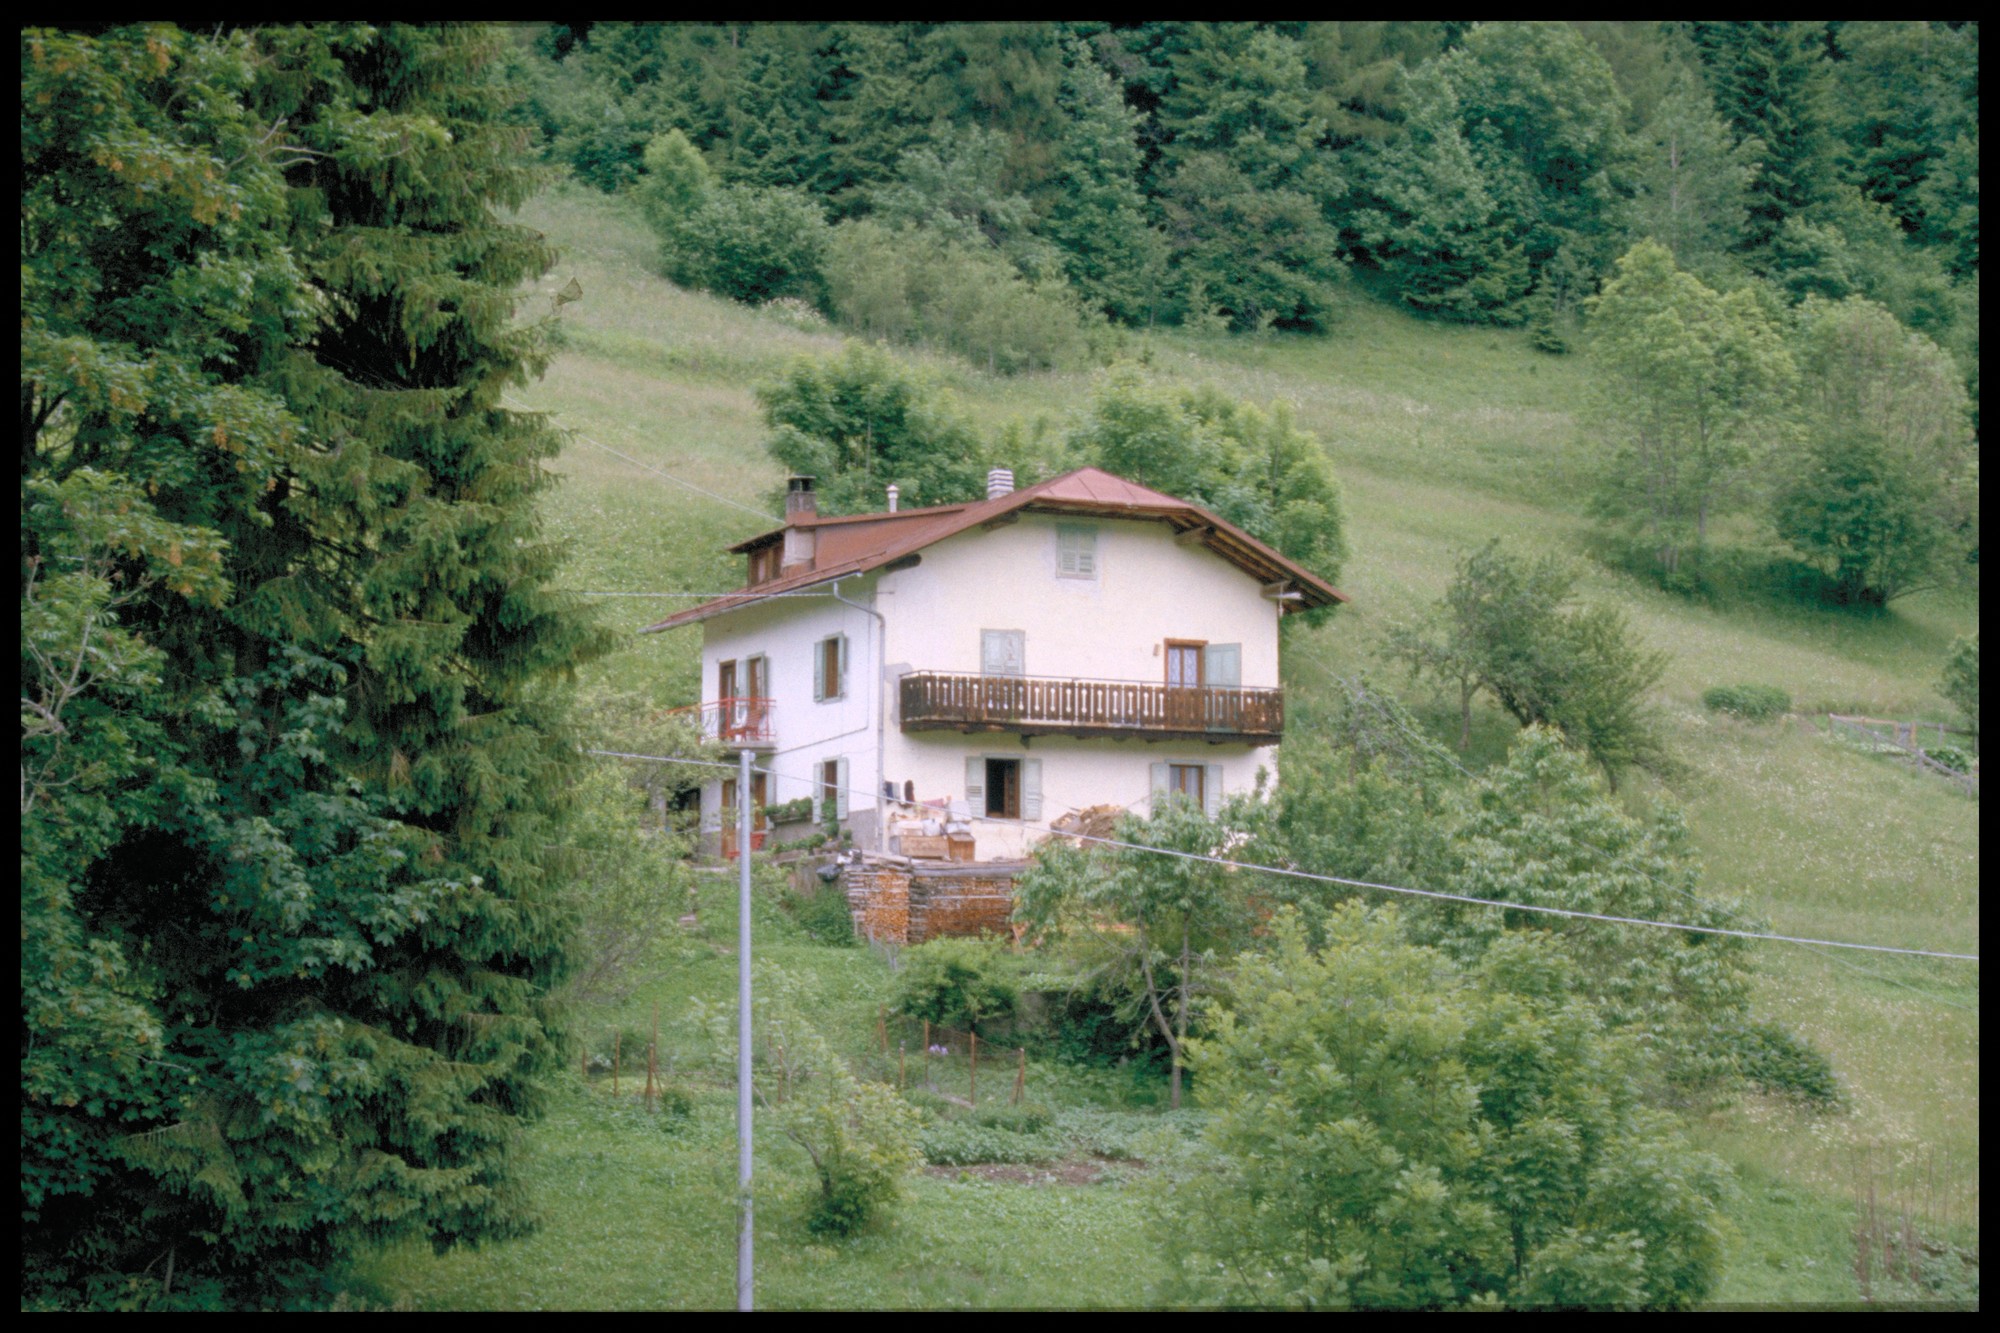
{"x": 1442, "y": 437}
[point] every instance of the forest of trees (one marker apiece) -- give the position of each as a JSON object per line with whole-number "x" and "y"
{"x": 1185, "y": 172}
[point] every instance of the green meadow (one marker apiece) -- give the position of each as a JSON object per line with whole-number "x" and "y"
{"x": 1442, "y": 437}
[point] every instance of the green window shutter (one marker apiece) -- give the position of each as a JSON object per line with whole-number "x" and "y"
{"x": 1223, "y": 664}
{"x": 819, "y": 671}
{"x": 975, "y": 785}
{"x": 840, "y": 790}
{"x": 1211, "y": 790}
{"x": 1031, "y": 789}
{"x": 1159, "y": 787}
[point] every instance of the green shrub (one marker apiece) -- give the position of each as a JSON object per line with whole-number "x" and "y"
{"x": 957, "y": 982}
{"x": 1779, "y": 1063}
{"x": 676, "y": 1109}
{"x": 791, "y": 812}
{"x": 862, "y": 1139}
{"x": 822, "y": 913}
{"x": 1027, "y": 1118}
{"x": 1953, "y": 758}
{"x": 970, "y": 1143}
{"x": 1753, "y": 703}
{"x": 751, "y": 244}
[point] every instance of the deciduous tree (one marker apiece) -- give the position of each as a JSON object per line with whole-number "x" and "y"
{"x": 1883, "y": 495}
{"x": 1390, "y": 1130}
{"x": 1691, "y": 395}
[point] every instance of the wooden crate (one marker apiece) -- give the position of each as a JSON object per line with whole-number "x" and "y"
{"x": 923, "y": 848}
{"x": 960, "y": 849}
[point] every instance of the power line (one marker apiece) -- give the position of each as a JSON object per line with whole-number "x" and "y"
{"x": 1357, "y": 687}
{"x": 1368, "y": 884}
{"x": 579, "y": 435}
{"x": 734, "y": 592}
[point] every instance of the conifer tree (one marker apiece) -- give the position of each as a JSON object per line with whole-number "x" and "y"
{"x": 287, "y": 651}
{"x": 1771, "y": 83}
{"x": 1098, "y": 216}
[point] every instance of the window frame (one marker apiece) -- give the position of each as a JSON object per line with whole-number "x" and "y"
{"x": 1067, "y": 533}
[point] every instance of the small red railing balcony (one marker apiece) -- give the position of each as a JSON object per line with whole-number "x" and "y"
{"x": 746, "y": 723}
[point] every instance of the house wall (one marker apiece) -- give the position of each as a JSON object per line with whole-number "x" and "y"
{"x": 1148, "y": 589}
{"x": 1075, "y": 775}
{"x": 787, "y": 631}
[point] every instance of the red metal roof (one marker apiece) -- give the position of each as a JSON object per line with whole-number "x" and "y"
{"x": 857, "y": 543}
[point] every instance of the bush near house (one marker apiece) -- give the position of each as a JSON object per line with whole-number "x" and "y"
{"x": 1753, "y": 703}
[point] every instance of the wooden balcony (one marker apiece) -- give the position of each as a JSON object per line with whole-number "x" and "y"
{"x": 1037, "y": 706}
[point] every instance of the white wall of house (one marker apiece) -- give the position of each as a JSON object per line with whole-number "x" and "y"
{"x": 787, "y": 632}
{"x": 1147, "y": 589}
{"x": 1070, "y": 774}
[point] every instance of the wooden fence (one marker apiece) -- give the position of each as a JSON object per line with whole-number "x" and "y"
{"x": 930, "y": 1055}
{"x": 1887, "y": 734}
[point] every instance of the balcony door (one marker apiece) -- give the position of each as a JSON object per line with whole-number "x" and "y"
{"x": 1185, "y": 678}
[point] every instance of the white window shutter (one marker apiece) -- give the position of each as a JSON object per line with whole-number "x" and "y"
{"x": 819, "y": 671}
{"x": 1211, "y": 791}
{"x": 1031, "y": 789}
{"x": 1002, "y": 652}
{"x": 1159, "y": 787}
{"x": 1223, "y": 664}
{"x": 975, "y": 785}
{"x": 839, "y": 690}
{"x": 840, "y": 788}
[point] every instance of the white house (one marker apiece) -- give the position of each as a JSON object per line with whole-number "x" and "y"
{"x": 1081, "y": 642}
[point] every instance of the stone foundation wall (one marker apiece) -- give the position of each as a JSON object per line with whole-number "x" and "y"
{"x": 908, "y": 905}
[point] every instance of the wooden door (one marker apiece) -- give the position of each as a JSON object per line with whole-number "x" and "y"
{"x": 1184, "y": 682}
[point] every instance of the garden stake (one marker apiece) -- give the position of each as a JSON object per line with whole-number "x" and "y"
{"x": 882, "y": 1026}
{"x": 927, "y": 1052}
{"x": 975, "y": 1068}
{"x": 653, "y": 1056}
{"x": 1020, "y": 1075}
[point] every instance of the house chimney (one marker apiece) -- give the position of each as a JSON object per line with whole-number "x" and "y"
{"x": 893, "y": 493}
{"x": 800, "y": 502}
{"x": 999, "y": 482}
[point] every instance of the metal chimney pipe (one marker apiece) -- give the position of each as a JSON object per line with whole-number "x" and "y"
{"x": 893, "y": 493}
{"x": 999, "y": 482}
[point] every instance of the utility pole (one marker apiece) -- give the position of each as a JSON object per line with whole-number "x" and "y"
{"x": 745, "y": 1239}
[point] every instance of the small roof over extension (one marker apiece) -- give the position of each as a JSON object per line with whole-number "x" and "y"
{"x": 856, "y": 544}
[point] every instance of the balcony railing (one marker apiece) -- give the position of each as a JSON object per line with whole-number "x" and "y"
{"x": 1037, "y": 706}
{"x": 742, "y": 722}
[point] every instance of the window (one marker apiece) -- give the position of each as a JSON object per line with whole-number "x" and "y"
{"x": 1184, "y": 664}
{"x": 764, "y": 563}
{"x": 1003, "y": 652}
{"x": 830, "y": 668}
{"x": 833, "y": 791}
{"x": 1003, "y": 789}
{"x": 1199, "y": 783}
{"x": 757, "y": 804}
{"x": 1076, "y": 551}
{"x": 999, "y": 788}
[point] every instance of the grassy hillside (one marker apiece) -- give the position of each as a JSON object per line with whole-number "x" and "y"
{"x": 1442, "y": 437}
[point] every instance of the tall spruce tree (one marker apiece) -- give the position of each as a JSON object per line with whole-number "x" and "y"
{"x": 290, "y": 752}
{"x": 1771, "y": 83}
